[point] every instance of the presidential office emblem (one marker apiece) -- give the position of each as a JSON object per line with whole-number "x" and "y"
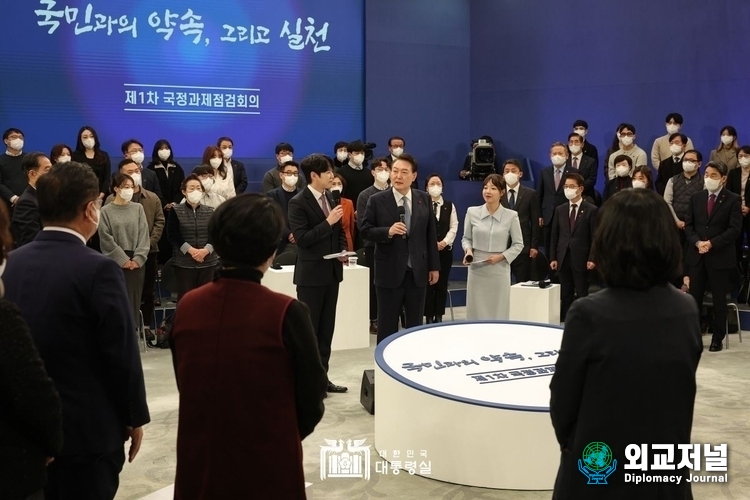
{"x": 597, "y": 463}
{"x": 352, "y": 461}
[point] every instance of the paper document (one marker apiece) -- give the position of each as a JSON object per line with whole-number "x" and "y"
{"x": 340, "y": 254}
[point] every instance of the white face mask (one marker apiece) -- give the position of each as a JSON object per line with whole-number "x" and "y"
{"x": 711, "y": 184}
{"x": 137, "y": 157}
{"x": 195, "y": 197}
{"x": 126, "y": 194}
{"x": 574, "y": 148}
{"x": 89, "y": 143}
{"x": 285, "y": 159}
{"x": 727, "y": 139}
{"x": 435, "y": 191}
{"x": 626, "y": 140}
{"x": 622, "y": 170}
{"x": 675, "y": 149}
{"x": 342, "y": 156}
{"x": 98, "y": 217}
{"x": 137, "y": 179}
{"x": 16, "y": 144}
{"x": 358, "y": 159}
{"x": 580, "y": 131}
{"x": 397, "y": 151}
{"x": 2, "y": 266}
{"x": 672, "y": 129}
{"x": 638, "y": 184}
{"x": 557, "y": 160}
{"x": 164, "y": 154}
{"x": 570, "y": 193}
{"x": 63, "y": 159}
{"x": 744, "y": 162}
{"x": 511, "y": 178}
{"x": 291, "y": 180}
{"x": 207, "y": 184}
{"x": 227, "y": 153}
{"x": 382, "y": 177}
{"x": 689, "y": 166}
{"x": 215, "y": 162}
{"x": 336, "y": 188}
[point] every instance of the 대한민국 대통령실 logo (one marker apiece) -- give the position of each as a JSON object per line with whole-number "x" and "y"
{"x": 597, "y": 462}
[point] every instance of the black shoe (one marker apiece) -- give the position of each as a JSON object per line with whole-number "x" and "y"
{"x": 438, "y": 319}
{"x": 716, "y": 347}
{"x": 374, "y": 328}
{"x": 336, "y": 388}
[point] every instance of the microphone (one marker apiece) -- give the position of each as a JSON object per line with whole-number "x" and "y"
{"x": 402, "y": 215}
{"x": 336, "y": 195}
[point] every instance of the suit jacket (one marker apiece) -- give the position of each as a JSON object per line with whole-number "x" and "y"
{"x": 550, "y": 196}
{"x": 734, "y": 184}
{"x": 74, "y": 301}
{"x": 272, "y": 180}
{"x": 240, "y": 177}
{"x": 721, "y": 228}
{"x": 590, "y": 150}
{"x": 277, "y": 195}
{"x": 578, "y": 241}
{"x": 151, "y": 183}
{"x": 315, "y": 238}
{"x": 587, "y": 168}
{"x": 26, "y": 221}
{"x": 392, "y": 254}
{"x": 527, "y": 206}
{"x": 667, "y": 169}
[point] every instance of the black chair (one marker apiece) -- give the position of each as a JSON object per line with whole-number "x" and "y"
{"x": 731, "y": 306}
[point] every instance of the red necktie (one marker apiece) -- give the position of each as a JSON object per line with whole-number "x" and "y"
{"x": 572, "y": 217}
{"x": 324, "y": 205}
{"x": 575, "y": 162}
{"x": 711, "y": 203}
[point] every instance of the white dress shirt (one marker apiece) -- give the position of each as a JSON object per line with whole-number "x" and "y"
{"x": 451, "y": 235}
{"x": 66, "y": 230}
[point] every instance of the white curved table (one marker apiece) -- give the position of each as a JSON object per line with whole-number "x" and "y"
{"x": 474, "y": 397}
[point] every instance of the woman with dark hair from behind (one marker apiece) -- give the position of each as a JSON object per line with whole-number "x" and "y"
{"x": 88, "y": 151}
{"x": 31, "y": 418}
{"x": 621, "y": 355}
{"x": 251, "y": 386}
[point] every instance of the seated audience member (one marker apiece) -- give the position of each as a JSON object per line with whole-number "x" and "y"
{"x": 525, "y": 202}
{"x": 726, "y": 151}
{"x": 357, "y": 176}
{"x": 132, "y": 149}
{"x": 669, "y": 167}
{"x": 205, "y": 174}
{"x": 26, "y": 220}
{"x": 466, "y": 168}
{"x": 264, "y": 380}
{"x": 681, "y": 188}
{"x": 550, "y": 187}
{"x": 239, "y": 175}
{"x": 573, "y": 229}
{"x": 595, "y": 395}
{"x": 626, "y": 135}
{"x": 194, "y": 258}
{"x": 341, "y": 155}
{"x": 223, "y": 175}
{"x": 623, "y": 179}
{"x": 581, "y": 127}
{"x": 446, "y": 225}
{"x": 396, "y": 147}
{"x": 289, "y": 173}
{"x": 347, "y": 220}
{"x": 714, "y": 222}
{"x": 13, "y": 179}
{"x": 271, "y": 179}
{"x": 60, "y": 153}
{"x": 661, "y": 150}
{"x": 642, "y": 177}
{"x": 585, "y": 165}
{"x": 88, "y": 151}
{"x": 737, "y": 183}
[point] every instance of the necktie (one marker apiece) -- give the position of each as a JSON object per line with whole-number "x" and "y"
{"x": 575, "y": 162}
{"x": 324, "y": 205}
{"x": 572, "y": 217}
{"x": 711, "y": 203}
{"x": 676, "y": 159}
{"x": 407, "y": 214}
{"x": 512, "y": 199}
{"x": 557, "y": 178}
{"x": 434, "y": 208}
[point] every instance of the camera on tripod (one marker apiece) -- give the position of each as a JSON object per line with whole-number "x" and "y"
{"x": 482, "y": 159}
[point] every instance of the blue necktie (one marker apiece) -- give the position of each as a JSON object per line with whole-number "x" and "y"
{"x": 407, "y": 214}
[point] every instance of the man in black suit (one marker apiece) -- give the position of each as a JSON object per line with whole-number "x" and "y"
{"x": 75, "y": 304}
{"x": 713, "y": 224}
{"x": 132, "y": 149}
{"x": 585, "y": 165}
{"x": 226, "y": 145}
{"x": 669, "y": 167}
{"x": 581, "y": 127}
{"x": 550, "y": 188}
{"x": 315, "y": 222}
{"x": 526, "y": 202}
{"x": 406, "y": 254}
{"x": 570, "y": 248}
{"x": 26, "y": 221}
{"x": 282, "y": 195}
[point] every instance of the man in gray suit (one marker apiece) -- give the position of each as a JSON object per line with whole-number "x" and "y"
{"x": 550, "y": 188}
{"x": 526, "y": 202}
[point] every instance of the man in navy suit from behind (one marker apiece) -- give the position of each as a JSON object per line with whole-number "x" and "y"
{"x": 74, "y": 301}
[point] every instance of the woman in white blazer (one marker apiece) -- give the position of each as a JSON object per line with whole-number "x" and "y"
{"x": 487, "y": 231}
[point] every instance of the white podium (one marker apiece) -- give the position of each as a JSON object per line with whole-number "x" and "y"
{"x": 534, "y": 304}
{"x": 353, "y": 308}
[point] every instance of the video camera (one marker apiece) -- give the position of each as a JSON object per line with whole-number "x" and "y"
{"x": 482, "y": 159}
{"x": 369, "y": 147}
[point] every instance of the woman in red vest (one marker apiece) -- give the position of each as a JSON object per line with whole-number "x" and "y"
{"x": 250, "y": 377}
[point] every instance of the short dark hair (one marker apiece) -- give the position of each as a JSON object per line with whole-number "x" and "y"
{"x": 625, "y": 126}
{"x": 355, "y": 146}
{"x": 118, "y": 180}
{"x": 574, "y": 134}
{"x": 315, "y": 163}
{"x": 427, "y": 180}
{"x": 30, "y": 161}
{"x": 745, "y": 149}
{"x": 6, "y": 239}
{"x": 284, "y": 146}
{"x": 496, "y": 180}
{"x": 718, "y": 165}
{"x": 573, "y": 176}
{"x": 57, "y": 150}
{"x": 677, "y": 117}
{"x": 245, "y": 230}
{"x": 696, "y": 152}
{"x": 514, "y": 162}
{"x": 222, "y": 139}
{"x": 620, "y": 158}
{"x": 682, "y": 137}
{"x": 64, "y": 192}
{"x": 635, "y": 245}
{"x": 375, "y": 162}
{"x": 646, "y": 171}
{"x": 7, "y": 133}
{"x": 203, "y": 170}
{"x": 581, "y": 123}
{"x": 126, "y": 145}
{"x": 288, "y": 164}
{"x": 123, "y": 163}
{"x": 191, "y": 177}
{"x": 396, "y": 138}
{"x": 339, "y": 145}
{"x": 409, "y": 159}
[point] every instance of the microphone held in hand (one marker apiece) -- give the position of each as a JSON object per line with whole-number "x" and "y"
{"x": 402, "y": 216}
{"x": 336, "y": 195}
{"x": 469, "y": 258}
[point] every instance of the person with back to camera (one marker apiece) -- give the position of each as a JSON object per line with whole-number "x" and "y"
{"x": 621, "y": 355}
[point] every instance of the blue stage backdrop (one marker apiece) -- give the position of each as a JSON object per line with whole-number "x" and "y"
{"x": 261, "y": 72}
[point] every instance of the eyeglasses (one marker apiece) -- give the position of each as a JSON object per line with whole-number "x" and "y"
{"x": 15, "y": 136}
{"x": 133, "y": 151}
{"x": 288, "y": 173}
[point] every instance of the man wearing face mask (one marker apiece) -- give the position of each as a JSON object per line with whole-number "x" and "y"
{"x": 550, "y": 187}
{"x": 396, "y": 146}
{"x": 356, "y": 174}
{"x": 525, "y": 202}
{"x": 671, "y": 166}
{"x": 271, "y": 179}
{"x": 681, "y": 188}
{"x": 585, "y": 165}
{"x": 626, "y": 135}
{"x": 84, "y": 333}
{"x": 661, "y": 149}
{"x": 581, "y": 127}
{"x": 26, "y": 221}
{"x": 289, "y": 173}
{"x": 341, "y": 155}
{"x": 12, "y": 177}
{"x": 132, "y": 149}
{"x": 737, "y": 183}
{"x": 714, "y": 222}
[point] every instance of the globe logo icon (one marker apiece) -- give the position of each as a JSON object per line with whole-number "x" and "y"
{"x": 597, "y": 462}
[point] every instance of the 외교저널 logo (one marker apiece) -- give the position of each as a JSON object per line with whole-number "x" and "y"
{"x": 597, "y": 463}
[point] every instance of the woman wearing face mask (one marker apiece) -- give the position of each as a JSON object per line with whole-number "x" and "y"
{"x": 347, "y": 221}
{"x": 446, "y": 223}
{"x": 168, "y": 171}
{"x": 737, "y": 182}
{"x": 615, "y": 146}
{"x": 89, "y": 152}
{"x": 726, "y": 151}
{"x": 125, "y": 238}
{"x": 194, "y": 258}
{"x": 210, "y": 198}
{"x": 487, "y": 231}
{"x": 61, "y": 153}
{"x": 622, "y": 180}
{"x": 642, "y": 177}
{"x": 223, "y": 176}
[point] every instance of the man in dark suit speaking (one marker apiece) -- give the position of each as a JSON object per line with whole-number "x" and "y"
{"x": 400, "y": 222}
{"x": 74, "y": 301}
{"x": 315, "y": 221}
